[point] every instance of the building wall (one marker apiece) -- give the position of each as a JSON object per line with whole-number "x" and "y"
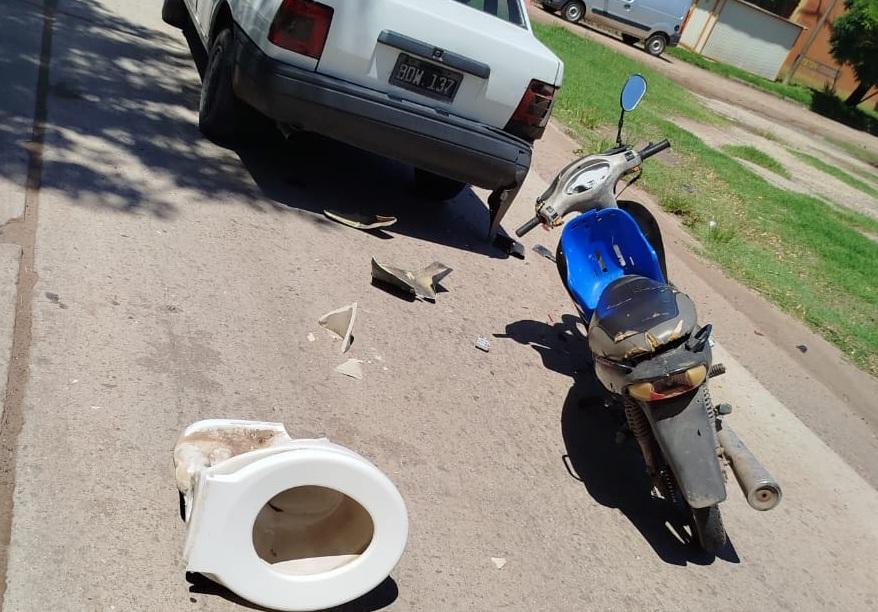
{"x": 750, "y": 38}
{"x": 741, "y": 34}
{"x": 819, "y": 68}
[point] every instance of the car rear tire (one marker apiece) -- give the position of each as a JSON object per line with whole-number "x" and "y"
{"x": 655, "y": 44}
{"x": 628, "y": 39}
{"x": 436, "y": 188}
{"x": 573, "y": 11}
{"x": 174, "y": 13}
{"x": 222, "y": 116}
{"x": 217, "y": 111}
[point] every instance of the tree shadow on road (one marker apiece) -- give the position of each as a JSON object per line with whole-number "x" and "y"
{"x": 123, "y": 137}
{"x": 611, "y": 470}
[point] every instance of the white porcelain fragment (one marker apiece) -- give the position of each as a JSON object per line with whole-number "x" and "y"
{"x": 341, "y": 323}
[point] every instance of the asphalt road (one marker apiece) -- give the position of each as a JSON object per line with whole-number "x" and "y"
{"x": 171, "y": 280}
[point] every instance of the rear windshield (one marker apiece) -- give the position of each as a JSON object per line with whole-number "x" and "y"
{"x": 507, "y": 10}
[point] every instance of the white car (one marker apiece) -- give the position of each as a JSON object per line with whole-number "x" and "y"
{"x": 459, "y": 89}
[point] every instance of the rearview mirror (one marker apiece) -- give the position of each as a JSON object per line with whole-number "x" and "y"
{"x": 632, "y": 92}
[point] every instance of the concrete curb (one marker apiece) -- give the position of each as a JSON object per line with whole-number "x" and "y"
{"x": 10, "y": 255}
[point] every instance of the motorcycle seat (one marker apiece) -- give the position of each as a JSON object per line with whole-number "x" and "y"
{"x": 635, "y": 316}
{"x": 597, "y": 248}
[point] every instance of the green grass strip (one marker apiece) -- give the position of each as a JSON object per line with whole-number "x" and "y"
{"x": 796, "y": 93}
{"x": 752, "y": 154}
{"x": 837, "y": 172}
{"x": 801, "y": 253}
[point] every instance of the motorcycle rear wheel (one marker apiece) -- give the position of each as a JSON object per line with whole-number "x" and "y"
{"x": 707, "y": 525}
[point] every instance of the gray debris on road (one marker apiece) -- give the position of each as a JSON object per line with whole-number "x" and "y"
{"x": 802, "y": 348}
{"x": 483, "y": 344}
{"x": 544, "y": 252}
{"x": 341, "y": 323}
{"x": 363, "y": 222}
{"x": 352, "y": 368}
{"x": 421, "y": 283}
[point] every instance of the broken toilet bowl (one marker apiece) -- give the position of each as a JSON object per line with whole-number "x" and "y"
{"x": 286, "y": 524}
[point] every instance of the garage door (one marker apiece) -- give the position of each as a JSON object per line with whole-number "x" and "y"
{"x": 751, "y": 39}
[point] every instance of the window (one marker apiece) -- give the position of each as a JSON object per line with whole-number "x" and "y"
{"x": 507, "y": 10}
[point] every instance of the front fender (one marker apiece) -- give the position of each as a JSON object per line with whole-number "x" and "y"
{"x": 687, "y": 438}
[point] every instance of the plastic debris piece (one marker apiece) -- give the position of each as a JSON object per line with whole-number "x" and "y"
{"x": 352, "y": 368}
{"x": 421, "y": 283}
{"x": 498, "y": 562}
{"x": 509, "y": 246}
{"x": 802, "y": 348}
{"x": 483, "y": 344}
{"x": 311, "y": 338}
{"x": 341, "y": 323}
{"x": 363, "y": 222}
{"x": 543, "y": 251}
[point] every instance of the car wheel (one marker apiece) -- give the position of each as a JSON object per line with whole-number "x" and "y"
{"x": 628, "y": 39}
{"x": 217, "y": 112}
{"x": 436, "y": 188}
{"x": 174, "y": 13}
{"x": 573, "y": 11}
{"x": 655, "y": 44}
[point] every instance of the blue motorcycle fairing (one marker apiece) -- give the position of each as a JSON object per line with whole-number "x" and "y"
{"x": 600, "y": 246}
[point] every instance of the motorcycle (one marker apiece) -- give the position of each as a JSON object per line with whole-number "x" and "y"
{"x": 648, "y": 349}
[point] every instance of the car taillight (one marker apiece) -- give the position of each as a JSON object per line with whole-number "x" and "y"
{"x": 301, "y": 26}
{"x": 530, "y": 118}
{"x": 668, "y": 387}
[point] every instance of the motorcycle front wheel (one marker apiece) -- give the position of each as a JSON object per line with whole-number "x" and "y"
{"x": 707, "y": 524}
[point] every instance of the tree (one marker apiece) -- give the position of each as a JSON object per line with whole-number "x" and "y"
{"x": 855, "y": 42}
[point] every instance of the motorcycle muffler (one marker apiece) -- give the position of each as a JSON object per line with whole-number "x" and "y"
{"x": 761, "y": 489}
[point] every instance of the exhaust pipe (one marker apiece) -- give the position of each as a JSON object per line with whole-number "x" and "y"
{"x": 761, "y": 490}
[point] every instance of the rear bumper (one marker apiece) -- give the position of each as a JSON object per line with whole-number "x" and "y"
{"x": 450, "y": 146}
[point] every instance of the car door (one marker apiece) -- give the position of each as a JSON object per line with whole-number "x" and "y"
{"x": 635, "y": 17}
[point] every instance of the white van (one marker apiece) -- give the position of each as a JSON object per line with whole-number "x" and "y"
{"x": 658, "y": 23}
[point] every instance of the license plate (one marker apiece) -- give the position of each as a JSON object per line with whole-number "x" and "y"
{"x": 425, "y": 78}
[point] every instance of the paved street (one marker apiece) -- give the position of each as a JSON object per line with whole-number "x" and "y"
{"x": 166, "y": 280}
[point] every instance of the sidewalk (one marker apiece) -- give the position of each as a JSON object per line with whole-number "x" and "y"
{"x": 9, "y": 257}
{"x": 21, "y": 24}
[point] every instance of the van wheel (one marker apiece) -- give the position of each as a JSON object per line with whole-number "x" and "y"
{"x": 436, "y": 188}
{"x": 628, "y": 39}
{"x": 655, "y": 44}
{"x": 174, "y": 13}
{"x": 573, "y": 11}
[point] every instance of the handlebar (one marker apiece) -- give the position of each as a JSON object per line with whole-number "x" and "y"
{"x": 648, "y": 151}
{"x": 528, "y": 226}
{"x": 651, "y": 149}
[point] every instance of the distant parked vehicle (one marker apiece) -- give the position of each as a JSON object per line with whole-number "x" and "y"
{"x": 459, "y": 89}
{"x": 658, "y": 23}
